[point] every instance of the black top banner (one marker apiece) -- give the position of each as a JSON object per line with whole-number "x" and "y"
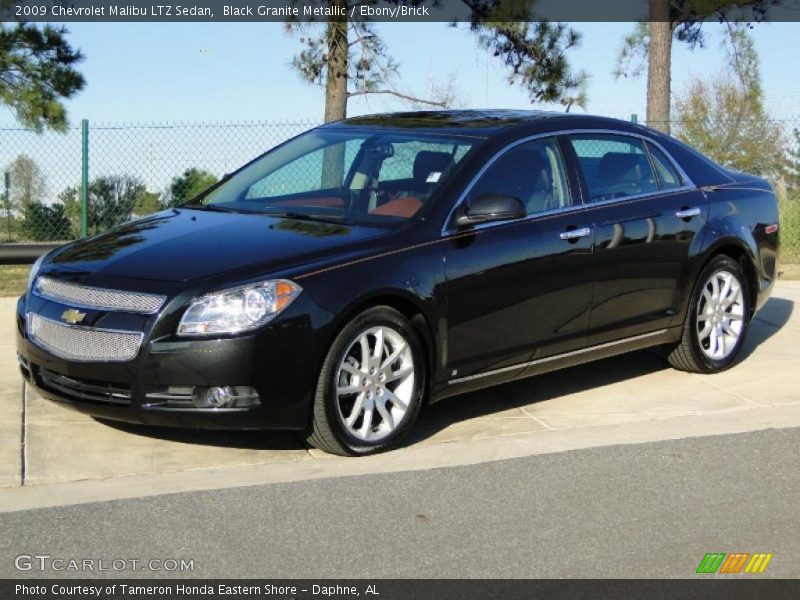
{"x": 394, "y": 10}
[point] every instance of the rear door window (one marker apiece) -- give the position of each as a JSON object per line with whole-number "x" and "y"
{"x": 614, "y": 166}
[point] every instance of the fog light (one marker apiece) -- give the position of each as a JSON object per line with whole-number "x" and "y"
{"x": 225, "y": 397}
{"x": 219, "y": 397}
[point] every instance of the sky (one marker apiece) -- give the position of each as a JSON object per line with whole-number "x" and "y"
{"x": 158, "y": 72}
{"x": 200, "y": 73}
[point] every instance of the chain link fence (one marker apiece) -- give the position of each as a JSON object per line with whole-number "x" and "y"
{"x": 132, "y": 170}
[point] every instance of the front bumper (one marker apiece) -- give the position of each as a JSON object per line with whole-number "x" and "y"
{"x": 281, "y": 362}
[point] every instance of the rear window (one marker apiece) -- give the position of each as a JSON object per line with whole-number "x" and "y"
{"x": 668, "y": 176}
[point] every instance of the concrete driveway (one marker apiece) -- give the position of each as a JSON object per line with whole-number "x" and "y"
{"x": 627, "y": 399}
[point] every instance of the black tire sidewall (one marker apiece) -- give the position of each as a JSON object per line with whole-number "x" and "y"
{"x": 374, "y": 317}
{"x": 719, "y": 263}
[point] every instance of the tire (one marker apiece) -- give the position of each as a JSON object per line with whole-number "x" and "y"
{"x": 341, "y": 421}
{"x": 700, "y": 349}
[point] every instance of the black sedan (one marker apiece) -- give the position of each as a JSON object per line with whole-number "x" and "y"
{"x": 343, "y": 279}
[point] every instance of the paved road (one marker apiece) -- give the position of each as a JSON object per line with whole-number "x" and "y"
{"x": 636, "y": 510}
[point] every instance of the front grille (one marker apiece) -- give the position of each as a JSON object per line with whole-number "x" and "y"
{"x": 81, "y": 389}
{"x": 97, "y": 298}
{"x": 83, "y": 343}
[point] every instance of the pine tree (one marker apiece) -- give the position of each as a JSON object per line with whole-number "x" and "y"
{"x": 37, "y": 72}
{"x": 651, "y": 43}
{"x": 349, "y": 58}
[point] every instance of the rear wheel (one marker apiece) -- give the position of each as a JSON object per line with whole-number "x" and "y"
{"x": 371, "y": 385}
{"x": 717, "y": 321}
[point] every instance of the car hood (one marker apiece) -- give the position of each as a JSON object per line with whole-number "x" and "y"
{"x": 184, "y": 245}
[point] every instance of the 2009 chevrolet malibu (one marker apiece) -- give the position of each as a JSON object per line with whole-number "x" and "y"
{"x": 343, "y": 279}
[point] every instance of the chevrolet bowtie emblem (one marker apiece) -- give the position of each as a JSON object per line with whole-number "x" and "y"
{"x": 72, "y": 316}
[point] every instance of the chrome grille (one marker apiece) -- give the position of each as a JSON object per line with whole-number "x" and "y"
{"x": 83, "y": 343}
{"x": 97, "y": 298}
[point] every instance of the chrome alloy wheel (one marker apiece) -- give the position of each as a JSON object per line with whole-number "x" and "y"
{"x": 720, "y": 315}
{"x": 375, "y": 383}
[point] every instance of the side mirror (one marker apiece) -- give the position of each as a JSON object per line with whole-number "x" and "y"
{"x": 490, "y": 208}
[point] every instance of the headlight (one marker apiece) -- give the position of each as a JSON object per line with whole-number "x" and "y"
{"x": 35, "y": 271}
{"x": 238, "y": 309}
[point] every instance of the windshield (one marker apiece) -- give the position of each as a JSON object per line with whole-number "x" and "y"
{"x": 365, "y": 176}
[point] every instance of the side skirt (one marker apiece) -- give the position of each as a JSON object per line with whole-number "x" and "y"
{"x": 559, "y": 361}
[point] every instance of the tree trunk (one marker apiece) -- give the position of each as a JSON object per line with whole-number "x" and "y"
{"x": 336, "y": 79}
{"x": 335, "y": 96}
{"x": 659, "y": 67}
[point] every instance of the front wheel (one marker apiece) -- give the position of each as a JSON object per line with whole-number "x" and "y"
{"x": 717, "y": 321}
{"x": 370, "y": 387}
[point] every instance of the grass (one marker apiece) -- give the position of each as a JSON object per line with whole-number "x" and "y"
{"x": 790, "y": 229}
{"x": 13, "y": 279}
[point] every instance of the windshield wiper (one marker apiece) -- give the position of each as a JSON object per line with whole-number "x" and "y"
{"x": 305, "y": 216}
{"x": 211, "y": 207}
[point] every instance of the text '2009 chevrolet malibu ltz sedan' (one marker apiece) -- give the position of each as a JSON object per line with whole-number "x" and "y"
{"x": 341, "y": 280}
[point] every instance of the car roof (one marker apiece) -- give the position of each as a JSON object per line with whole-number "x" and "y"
{"x": 486, "y": 123}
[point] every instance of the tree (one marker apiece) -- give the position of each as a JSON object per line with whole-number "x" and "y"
{"x": 111, "y": 201}
{"x": 681, "y": 20}
{"x": 794, "y": 162}
{"x": 148, "y": 202}
{"x": 44, "y": 223}
{"x": 189, "y": 184}
{"x": 37, "y": 72}
{"x": 27, "y": 182}
{"x": 725, "y": 118}
{"x": 535, "y": 55}
{"x": 349, "y": 59}
{"x": 70, "y": 199}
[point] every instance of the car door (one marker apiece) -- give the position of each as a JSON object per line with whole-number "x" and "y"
{"x": 645, "y": 213}
{"x": 520, "y": 288}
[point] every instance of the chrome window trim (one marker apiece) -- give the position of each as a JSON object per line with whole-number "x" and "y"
{"x": 555, "y": 357}
{"x": 68, "y": 302}
{"x": 688, "y": 184}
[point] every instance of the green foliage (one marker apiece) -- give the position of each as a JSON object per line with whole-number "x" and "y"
{"x": 42, "y": 223}
{"x": 70, "y": 199}
{"x": 111, "y": 201}
{"x": 27, "y": 182}
{"x": 370, "y": 67}
{"x": 688, "y": 18}
{"x": 533, "y": 51}
{"x": 719, "y": 118}
{"x": 794, "y": 163}
{"x": 724, "y": 116}
{"x": 744, "y": 62}
{"x": 37, "y": 72}
{"x": 535, "y": 54}
{"x": 190, "y": 184}
{"x": 790, "y": 226}
{"x": 632, "y": 57}
{"x": 147, "y": 203}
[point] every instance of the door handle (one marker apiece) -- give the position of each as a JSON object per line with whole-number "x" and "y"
{"x": 687, "y": 213}
{"x": 574, "y": 234}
